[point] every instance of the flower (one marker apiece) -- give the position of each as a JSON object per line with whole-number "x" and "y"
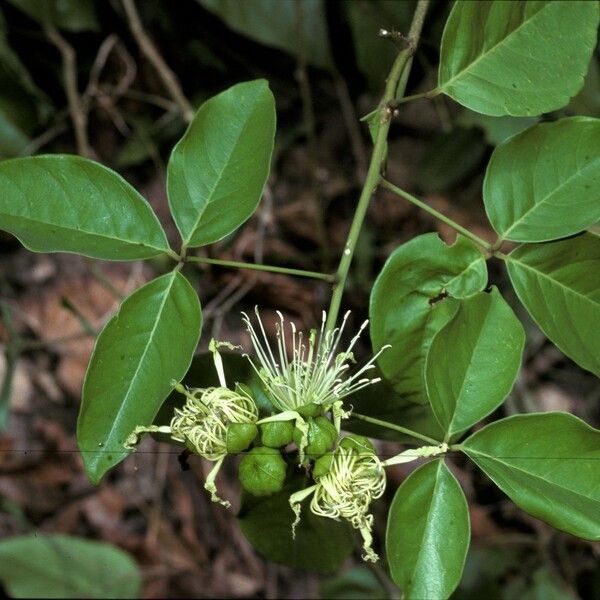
{"x": 207, "y": 420}
{"x": 315, "y": 373}
{"x": 354, "y": 480}
{"x": 203, "y": 422}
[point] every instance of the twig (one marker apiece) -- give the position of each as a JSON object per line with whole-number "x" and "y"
{"x": 78, "y": 113}
{"x": 258, "y": 267}
{"x": 394, "y": 87}
{"x": 148, "y": 48}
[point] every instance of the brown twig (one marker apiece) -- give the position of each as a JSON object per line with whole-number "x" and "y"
{"x": 77, "y": 110}
{"x": 148, "y": 48}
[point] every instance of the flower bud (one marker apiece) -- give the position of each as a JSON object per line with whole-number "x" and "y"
{"x": 322, "y": 465}
{"x": 262, "y": 471}
{"x": 277, "y": 434}
{"x": 322, "y": 436}
{"x": 240, "y": 436}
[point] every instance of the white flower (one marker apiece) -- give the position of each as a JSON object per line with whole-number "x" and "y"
{"x": 315, "y": 373}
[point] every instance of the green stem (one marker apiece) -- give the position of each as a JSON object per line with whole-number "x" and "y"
{"x": 438, "y": 215}
{"x": 260, "y": 267}
{"x": 172, "y": 254}
{"x": 393, "y": 89}
{"x": 414, "y": 97}
{"x": 387, "y": 425}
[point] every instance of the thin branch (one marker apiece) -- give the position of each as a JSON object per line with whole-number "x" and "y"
{"x": 259, "y": 267}
{"x": 77, "y": 110}
{"x": 148, "y": 48}
{"x": 399, "y": 428}
{"x": 394, "y": 88}
{"x": 438, "y": 215}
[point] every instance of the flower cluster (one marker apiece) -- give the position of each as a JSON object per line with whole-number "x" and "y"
{"x": 303, "y": 385}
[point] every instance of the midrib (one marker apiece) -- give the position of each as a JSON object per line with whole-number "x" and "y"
{"x": 492, "y": 49}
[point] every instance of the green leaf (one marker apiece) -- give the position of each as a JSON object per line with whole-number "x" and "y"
{"x": 292, "y": 26}
{"x": 321, "y": 544}
{"x": 486, "y": 572}
{"x": 517, "y": 58}
{"x": 146, "y": 345}
{"x": 473, "y": 361}
{"x": 544, "y": 183}
{"x": 62, "y": 566}
{"x": 71, "y": 15}
{"x": 357, "y": 583}
{"x": 559, "y": 284}
{"x": 543, "y": 585}
{"x": 428, "y": 533}
{"x": 407, "y": 304}
{"x": 218, "y": 169}
{"x": 63, "y": 203}
{"x": 495, "y": 129}
{"x": 547, "y": 464}
{"x": 22, "y": 104}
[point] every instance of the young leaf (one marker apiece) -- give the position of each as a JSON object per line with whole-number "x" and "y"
{"x": 546, "y": 463}
{"x": 428, "y": 533}
{"x": 407, "y": 303}
{"x": 62, "y": 566}
{"x": 517, "y": 58}
{"x": 63, "y": 203}
{"x": 559, "y": 284}
{"x": 146, "y": 345}
{"x": 321, "y": 544}
{"x": 217, "y": 170}
{"x": 473, "y": 361}
{"x": 544, "y": 184}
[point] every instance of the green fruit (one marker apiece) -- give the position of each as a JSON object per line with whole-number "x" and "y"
{"x": 277, "y": 433}
{"x": 322, "y": 465}
{"x": 359, "y": 443}
{"x": 240, "y": 436}
{"x": 262, "y": 471}
{"x": 310, "y": 410}
{"x": 322, "y": 436}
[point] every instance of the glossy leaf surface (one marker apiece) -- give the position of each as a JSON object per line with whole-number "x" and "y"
{"x": 217, "y": 170}
{"x": 62, "y": 566}
{"x": 473, "y": 361}
{"x": 61, "y": 203}
{"x": 559, "y": 284}
{"x": 409, "y": 303}
{"x": 547, "y": 464}
{"x": 544, "y": 184}
{"x": 428, "y": 533}
{"x": 146, "y": 345}
{"x": 517, "y": 58}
